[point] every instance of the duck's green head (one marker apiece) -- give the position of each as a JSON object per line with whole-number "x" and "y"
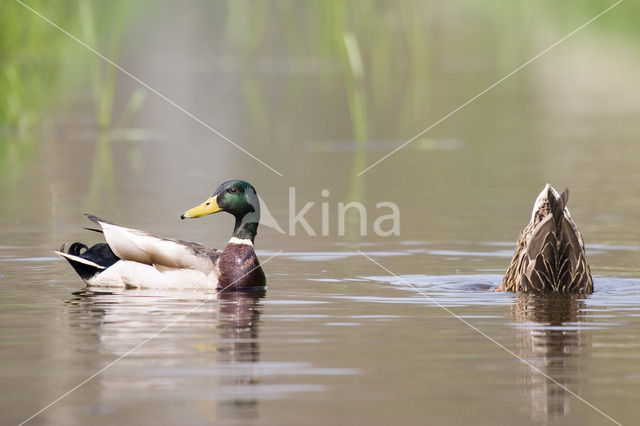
{"x": 236, "y": 197}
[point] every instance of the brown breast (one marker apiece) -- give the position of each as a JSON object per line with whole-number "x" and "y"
{"x": 239, "y": 268}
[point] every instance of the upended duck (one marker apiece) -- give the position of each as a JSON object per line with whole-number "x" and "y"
{"x": 549, "y": 254}
{"x": 137, "y": 259}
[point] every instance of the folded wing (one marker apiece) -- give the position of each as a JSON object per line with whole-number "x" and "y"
{"x": 143, "y": 247}
{"x": 555, "y": 259}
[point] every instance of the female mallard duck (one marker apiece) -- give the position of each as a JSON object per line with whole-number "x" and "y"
{"x": 549, "y": 253}
{"x": 133, "y": 258}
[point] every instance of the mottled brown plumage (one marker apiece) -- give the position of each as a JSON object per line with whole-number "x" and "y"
{"x": 550, "y": 255}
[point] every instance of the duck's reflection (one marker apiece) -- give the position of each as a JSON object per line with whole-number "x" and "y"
{"x": 239, "y": 316}
{"x": 550, "y": 338}
{"x": 205, "y": 357}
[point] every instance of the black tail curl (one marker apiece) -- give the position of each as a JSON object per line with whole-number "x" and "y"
{"x": 76, "y": 249}
{"x": 100, "y": 254}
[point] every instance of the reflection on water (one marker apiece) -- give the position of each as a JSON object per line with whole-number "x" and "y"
{"x": 222, "y": 362}
{"x": 358, "y": 346}
{"x": 239, "y": 317}
{"x": 550, "y": 337}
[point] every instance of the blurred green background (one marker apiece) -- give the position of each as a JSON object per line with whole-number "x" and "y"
{"x": 320, "y": 90}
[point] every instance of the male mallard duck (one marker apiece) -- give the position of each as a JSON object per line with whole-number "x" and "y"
{"x": 133, "y": 258}
{"x": 549, "y": 253}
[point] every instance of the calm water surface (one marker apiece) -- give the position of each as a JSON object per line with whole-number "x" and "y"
{"x": 335, "y": 339}
{"x": 329, "y": 342}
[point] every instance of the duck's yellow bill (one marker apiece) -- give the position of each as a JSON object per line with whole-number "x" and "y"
{"x": 208, "y": 207}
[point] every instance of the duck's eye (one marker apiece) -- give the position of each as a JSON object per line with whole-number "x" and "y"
{"x": 232, "y": 190}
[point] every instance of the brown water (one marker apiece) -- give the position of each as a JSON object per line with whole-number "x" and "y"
{"x": 335, "y": 339}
